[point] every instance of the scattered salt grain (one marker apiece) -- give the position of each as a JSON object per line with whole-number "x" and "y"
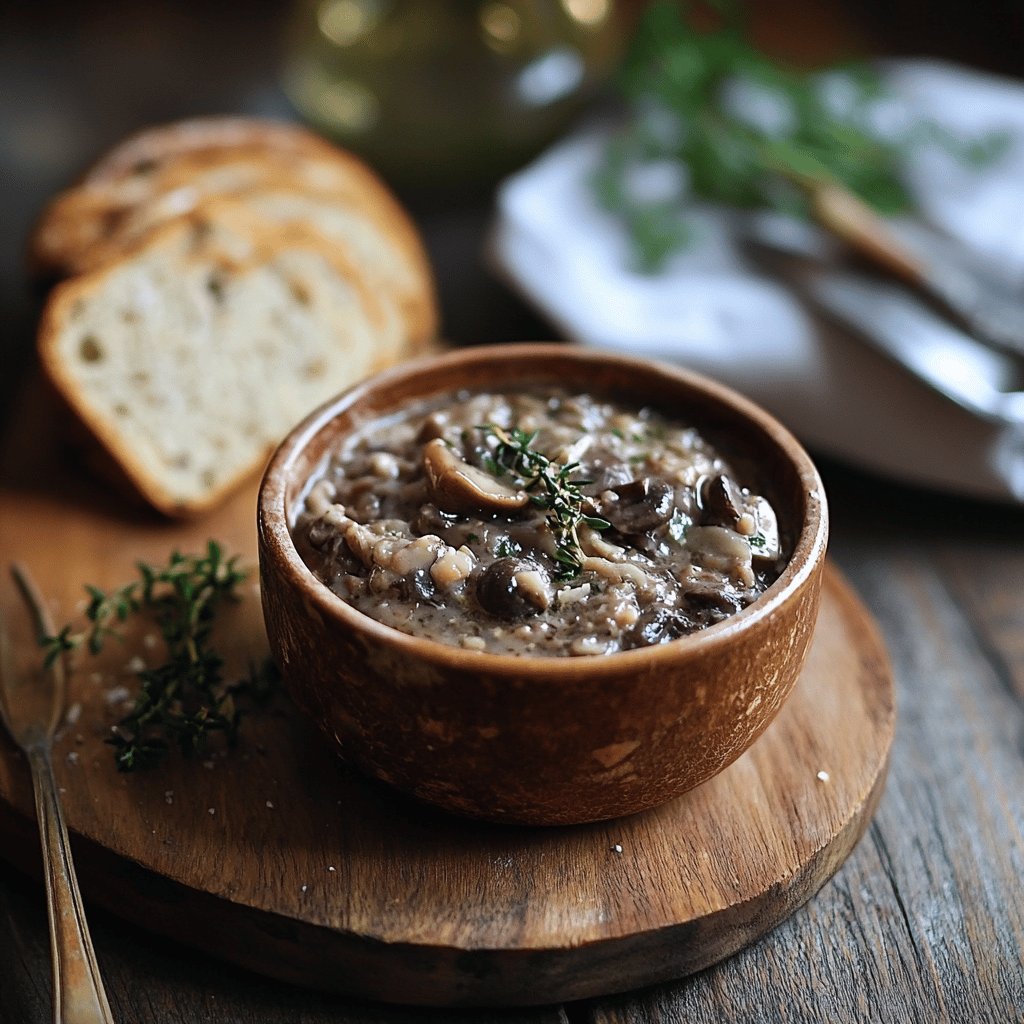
{"x": 617, "y": 848}
{"x": 823, "y": 776}
{"x": 211, "y": 811}
{"x": 149, "y": 641}
{"x": 303, "y": 888}
{"x": 330, "y": 867}
{"x": 72, "y": 757}
{"x": 169, "y": 796}
{"x": 117, "y": 694}
{"x": 270, "y": 804}
{"x": 135, "y": 665}
{"x": 74, "y": 712}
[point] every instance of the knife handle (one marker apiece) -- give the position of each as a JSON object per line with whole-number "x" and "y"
{"x": 849, "y": 217}
{"x": 78, "y": 996}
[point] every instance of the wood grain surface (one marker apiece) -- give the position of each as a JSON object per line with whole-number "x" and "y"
{"x": 278, "y": 858}
{"x": 924, "y": 923}
{"x": 926, "y": 920}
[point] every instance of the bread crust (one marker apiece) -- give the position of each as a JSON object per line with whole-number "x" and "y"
{"x": 265, "y": 240}
{"x": 213, "y": 173}
{"x": 78, "y": 230}
{"x": 165, "y": 142}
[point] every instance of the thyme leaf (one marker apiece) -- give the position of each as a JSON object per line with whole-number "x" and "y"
{"x": 714, "y": 118}
{"x": 556, "y": 492}
{"x": 185, "y": 700}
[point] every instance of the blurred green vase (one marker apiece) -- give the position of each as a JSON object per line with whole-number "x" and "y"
{"x": 444, "y": 92}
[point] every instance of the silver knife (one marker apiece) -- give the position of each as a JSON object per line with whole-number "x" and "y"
{"x": 988, "y": 382}
{"x": 975, "y": 294}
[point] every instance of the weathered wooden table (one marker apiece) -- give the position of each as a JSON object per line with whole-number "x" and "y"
{"x": 925, "y": 922}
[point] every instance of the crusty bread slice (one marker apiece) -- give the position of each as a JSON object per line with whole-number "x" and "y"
{"x": 191, "y": 356}
{"x": 342, "y": 200}
{"x": 168, "y": 171}
{"x": 145, "y": 151}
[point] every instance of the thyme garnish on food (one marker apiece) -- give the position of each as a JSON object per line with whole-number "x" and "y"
{"x": 559, "y": 496}
{"x": 186, "y": 699}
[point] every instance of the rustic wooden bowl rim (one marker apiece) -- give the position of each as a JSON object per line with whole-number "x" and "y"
{"x": 519, "y": 359}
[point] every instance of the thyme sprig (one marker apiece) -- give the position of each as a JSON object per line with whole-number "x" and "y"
{"x": 725, "y": 122}
{"x": 186, "y": 699}
{"x": 559, "y": 495}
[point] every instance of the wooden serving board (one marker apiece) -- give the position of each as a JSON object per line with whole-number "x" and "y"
{"x": 275, "y": 856}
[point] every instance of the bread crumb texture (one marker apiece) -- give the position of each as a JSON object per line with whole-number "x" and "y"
{"x": 224, "y": 306}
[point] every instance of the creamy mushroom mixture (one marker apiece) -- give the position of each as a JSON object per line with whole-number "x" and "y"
{"x": 539, "y": 523}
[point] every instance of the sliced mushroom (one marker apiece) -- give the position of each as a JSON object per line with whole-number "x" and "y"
{"x": 419, "y": 588}
{"x": 720, "y": 500}
{"x": 709, "y": 595}
{"x": 717, "y": 547}
{"x": 458, "y": 487}
{"x": 639, "y": 506}
{"x": 657, "y": 626}
{"x": 724, "y": 504}
{"x": 432, "y": 427}
{"x": 430, "y": 519}
{"x": 765, "y": 544}
{"x": 512, "y": 588}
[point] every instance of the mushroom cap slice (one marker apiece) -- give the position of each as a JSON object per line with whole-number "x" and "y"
{"x": 458, "y": 487}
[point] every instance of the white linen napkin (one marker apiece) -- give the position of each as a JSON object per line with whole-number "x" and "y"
{"x": 709, "y": 311}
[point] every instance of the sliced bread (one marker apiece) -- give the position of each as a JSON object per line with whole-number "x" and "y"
{"x": 338, "y": 197}
{"x": 145, "y": 151}
{"x": 191, "y": 356}
{"x": 168, "y": 171}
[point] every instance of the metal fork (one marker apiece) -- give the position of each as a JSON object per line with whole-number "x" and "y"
{"x": 31, "y": 705}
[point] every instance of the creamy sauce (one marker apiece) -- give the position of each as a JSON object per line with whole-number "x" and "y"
{"x": 436, "y": 523}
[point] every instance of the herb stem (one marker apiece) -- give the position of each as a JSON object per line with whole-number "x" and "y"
{"x": 561, "y": 497}
{"x": 185, "y": 699}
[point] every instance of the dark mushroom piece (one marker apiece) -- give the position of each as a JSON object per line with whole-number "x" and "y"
{"x": 639, "y": 506}
{"x": 724, "y": 503}
{"x": 458, "y": 487}
{"x": 709, "y": 597}
{"x": 419, "y": 588}
{"x": 512, "y": 588}
{"x": 720, "y": 501}
{"x": 432, "y": 427}
{"x": 430, "y": 519}
{"x": 657, "y": 626}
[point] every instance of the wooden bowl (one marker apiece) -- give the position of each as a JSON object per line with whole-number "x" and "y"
{"x": 543, "y": 740}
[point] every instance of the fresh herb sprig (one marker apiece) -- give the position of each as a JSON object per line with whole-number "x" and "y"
{"x": 559, "y": 495}
{"x": 185, "y": 700}
{"x": 738, "y": 128}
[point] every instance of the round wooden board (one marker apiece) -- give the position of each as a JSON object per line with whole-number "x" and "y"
{"x": 277, "y": 857}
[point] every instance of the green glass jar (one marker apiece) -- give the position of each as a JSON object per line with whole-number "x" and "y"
{"x": 448, "y": 91}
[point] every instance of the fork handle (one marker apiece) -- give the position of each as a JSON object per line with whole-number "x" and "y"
{"x": 78, "y": 996}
